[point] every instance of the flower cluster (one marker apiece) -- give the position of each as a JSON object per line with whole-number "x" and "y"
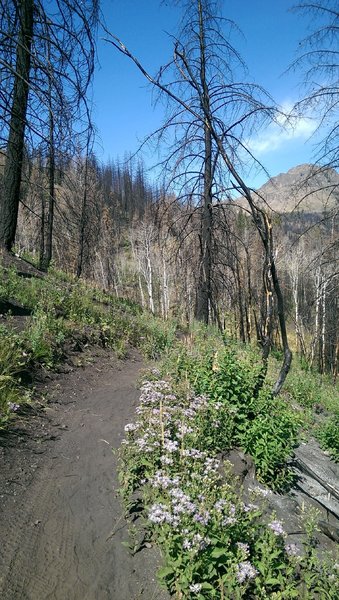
{"x": 277, "y": 528}
{"x": 292, "y": 550}
{"x": 246, "y": 571}
{"x": 195, "y": 588}
{"x": 196, "y": 543}
{"x": 192, "y": 505}
{"x": 158, "y": 513}
{"x": 13, "y": 406}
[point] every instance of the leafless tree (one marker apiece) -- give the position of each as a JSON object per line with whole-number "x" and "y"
{"x": 47, "y": 58}
{"x": 318, "y": 65}
{"x": 219, "y": 110}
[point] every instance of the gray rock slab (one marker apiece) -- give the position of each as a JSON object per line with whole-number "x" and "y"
{"x": 316, "y": 486}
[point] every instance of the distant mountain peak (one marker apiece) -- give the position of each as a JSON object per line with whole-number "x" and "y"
{"x": 306, "y": 188}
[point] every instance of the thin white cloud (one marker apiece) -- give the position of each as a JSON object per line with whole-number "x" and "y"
{"x": 287, "y": 129}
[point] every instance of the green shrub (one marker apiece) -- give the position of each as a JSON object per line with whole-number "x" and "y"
{"x": 303, "y": 388}
{"x": 214, "y": 546}
{"x": 310, "y": 389}
{"x": 44, "y": 337}
{"x": 328, "y": 436}
{"x": 153, "y": 336}
{"x": 12, "y": 360}
{"x": 260, "y": 424}
{"x": 270, "y": 438}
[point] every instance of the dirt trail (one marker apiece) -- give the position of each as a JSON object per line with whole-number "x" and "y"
{"x": 56, "y": 541}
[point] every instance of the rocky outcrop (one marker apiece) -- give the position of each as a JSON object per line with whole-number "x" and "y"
{"x": 305, "y": 188}
{"x": 316, "y": 486}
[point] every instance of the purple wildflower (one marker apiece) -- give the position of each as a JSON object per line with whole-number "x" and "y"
{"x": 155, "y": 372}
{"x": 131, "y": 427}
{"x": 171, "y": 397}
{"x": 200, "y": 542}
{"x": 166, "y": 460}
{"x": 184, "y": 429}
{"x": 158, "y": 513}
{"x": 202, "y": 518}
{"x": 193, "y": 453}
{"x": 161, "y": 480}
{"x": 228, "y": 521}
{"x": 244, "y": 548}
{"x": 220, "y": 505}
{"x": 261, "y": 491}
{"x": 187, "y": 545}
{"x": 246, "y": 571}
{"x": 188, "y": 412}
{"x": 181, "y": 502}
{"x": 211, "y": 465}
{"x": 199, "y": 402}
{"x": 142, "y": 442}
{"x": 292, "y": 549}
{"x": 277, "y": 527}
{"x": 170, "y": 445}
{"x": 249, "y": 507}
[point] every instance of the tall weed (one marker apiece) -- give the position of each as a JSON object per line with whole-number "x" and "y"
{"x": 260, "y": 424}
{"x": 11, "y": 362}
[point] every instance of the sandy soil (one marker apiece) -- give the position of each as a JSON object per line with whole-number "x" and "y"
{"x": 58, "y": 504}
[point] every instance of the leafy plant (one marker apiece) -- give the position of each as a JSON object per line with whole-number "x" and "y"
{"x": 11, "y": 361}
{"x": 260, "y": 424}
{"x": 328, "y": 436}
{"x": 214, "y": 546}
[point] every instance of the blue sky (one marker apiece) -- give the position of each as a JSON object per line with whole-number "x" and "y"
{"x": 123, "y": 108}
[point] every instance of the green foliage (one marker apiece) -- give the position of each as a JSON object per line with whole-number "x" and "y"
{"x": 63, "y": 309}
{"x": 261, "y": 425}
{"x": 63, "y": 306}
{"x": 11, "y": 361}
{"x": 328, "y": 436}
{"x": 270, "y": 438}
{"x": 8, "y": 283}
{"x": 153, "y": 336}
{"x": 44, "y": 337}
{"x": 304, "y": 389}
{"x": 214, "y": 546}
{"x": 310, "y": 390}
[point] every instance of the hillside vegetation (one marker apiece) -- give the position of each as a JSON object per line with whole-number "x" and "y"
{"x": 46, "y": 317}
{"x": 144, "y": 245}
{"x": 210, "y": 402}
{"x": 233, "y": 290}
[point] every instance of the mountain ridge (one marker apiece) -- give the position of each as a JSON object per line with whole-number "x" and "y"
{"x": 304, "y": 188}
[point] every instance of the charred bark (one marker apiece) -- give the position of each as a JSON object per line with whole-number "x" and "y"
{"x": 15, "y": 144}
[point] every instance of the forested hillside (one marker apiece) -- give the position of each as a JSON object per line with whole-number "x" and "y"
{"x": 130, "y": 238}
{"x": 180, "y": 246}
{"x": 173, "y": 253}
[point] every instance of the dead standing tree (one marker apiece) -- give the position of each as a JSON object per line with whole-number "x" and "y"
{"x": 17, "y": 123}
{"x": 206, "y": 73}
{"x": 318, "y": 63}
{"x": 47, "y": 60}
{"x": 223, "y": 135}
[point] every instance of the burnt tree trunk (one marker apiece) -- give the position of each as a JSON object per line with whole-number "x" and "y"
{"x": 205, "y": 267}
{"x": 83, "y": 222}
{"x": 204, "y": 281}
{"x": 15, "y": 145}
{"x": 48, "y": 235}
